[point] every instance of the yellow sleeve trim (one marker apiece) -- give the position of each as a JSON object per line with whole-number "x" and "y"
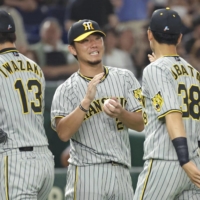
{"x": 53, "y": 119}
{"x": 138, "y": 110}
{"x": 170, "y": 111}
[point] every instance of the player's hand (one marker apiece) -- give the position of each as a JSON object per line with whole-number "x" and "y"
{"x": 113, "y": 108}
{"x": 193, "y": 172}
{"x": 152, "y": 57}
{"x": 92, "y": 87}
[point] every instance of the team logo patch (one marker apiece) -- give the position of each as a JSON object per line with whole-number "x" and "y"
{"x": 88, "y": 26}
{"x": 138, "y": 95}
{"x": 166, "y": 28}
{"x": 157, "y": 101}
{"x": 15, "y": 53}
{"x": 9, "y": 27}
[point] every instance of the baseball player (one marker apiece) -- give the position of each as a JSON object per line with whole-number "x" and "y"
{"x": 26, "y": 164}
{"x": 98, "y": 132}
{"x": 171, "y": 111}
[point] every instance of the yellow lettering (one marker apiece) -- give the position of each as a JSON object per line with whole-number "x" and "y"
{"x": 29, "y": 67}
{"x": 120, "y": 125}
{"x": 14, "y": 66}
{"x": 184, "y": 71}
{"x": 8, "y": 68}
{"x": 92, "y": 110}
{"x": 191, "y": 70}
{"x": 3, "y": 73}
{"x": 178, "y": 70}
{"x": 41, "y": 74}
{"x": 36, "y": 70}
{"x": 198, "y": 76}
{"x": 97, "y": 105}
{"x": 21, "y": 65}
{"x": 174, "y": 74}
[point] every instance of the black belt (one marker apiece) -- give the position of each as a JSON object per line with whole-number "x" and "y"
{"x": 117, "y": 164}
{"x": 26, "y": 148}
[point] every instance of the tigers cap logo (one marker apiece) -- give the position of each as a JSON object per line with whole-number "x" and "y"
{"x": 88, "y": 26}
{"x": 157, "y": 102}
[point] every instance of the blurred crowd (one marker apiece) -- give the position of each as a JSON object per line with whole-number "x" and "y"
{"x": 42, "y": 26}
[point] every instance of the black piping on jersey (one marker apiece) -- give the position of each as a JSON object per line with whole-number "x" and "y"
{"x": 169, "y": 111}
{"x": 146, "y": 180}
{"x": 106, "y": 71}
{"x": 8, "y": 50}
{"x": 6, "y": 176}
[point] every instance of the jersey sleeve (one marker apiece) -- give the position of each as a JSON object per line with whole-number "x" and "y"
{"x": 63, "y": 103}
{"x": 159, "y": 86}
{"x": 133, "y": 86}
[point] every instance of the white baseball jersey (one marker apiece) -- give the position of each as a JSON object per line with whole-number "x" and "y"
{"x": 170, "y": 84}
{"x": 100, "y": 138}
{"x": 21, "y": 101}
{"x": 26, "y": 163}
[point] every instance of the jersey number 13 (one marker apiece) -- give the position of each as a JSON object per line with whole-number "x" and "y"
{"x": 36, "y": 105}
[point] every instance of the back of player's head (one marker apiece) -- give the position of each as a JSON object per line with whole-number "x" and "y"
{"x": 166, "y": 26}
{"x": 82, "y": 29}
{"x": 7, "y": 24}
{"x": 7, "y": 27}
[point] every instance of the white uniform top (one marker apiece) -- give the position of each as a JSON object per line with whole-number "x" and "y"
{"x": 22, "y": 87}
{"x": 100, "y": 138}
{"x": 170, "y": 84}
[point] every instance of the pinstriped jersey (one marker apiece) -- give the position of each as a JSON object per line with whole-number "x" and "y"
{"x": 170, "y": 84}
{"x": 100, "y": 138}
{"x": 22, "y": 87}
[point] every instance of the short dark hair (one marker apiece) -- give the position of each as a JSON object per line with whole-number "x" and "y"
{"x": 7, "y": 37}
{"x": 163, "y": 38}
{"x": 73, "y": 44}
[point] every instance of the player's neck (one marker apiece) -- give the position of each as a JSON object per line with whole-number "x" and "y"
{"x": 165, "y": 50}
{"x": 7, "y": 45}
{"x": 91, "y": 70}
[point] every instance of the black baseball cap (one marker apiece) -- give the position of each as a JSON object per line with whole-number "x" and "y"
{"x": 7, "y": 24}
{"x": 82, "y": 29}
{"x": 166, "y": 21}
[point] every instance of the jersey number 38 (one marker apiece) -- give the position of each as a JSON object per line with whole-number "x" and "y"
{"x": 191, "y": 101}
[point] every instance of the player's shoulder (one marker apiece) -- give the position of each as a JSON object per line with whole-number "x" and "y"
{"x": 69, "y": 84}
{"x": 163, "y": 64}
{"x": 27, "y": 59}
{"x": 119, "y": 71}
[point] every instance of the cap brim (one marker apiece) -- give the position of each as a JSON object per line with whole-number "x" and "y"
{"x": 84, "y": 35}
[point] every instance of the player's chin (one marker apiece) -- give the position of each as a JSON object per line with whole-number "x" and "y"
{"x": 94, "y": 62}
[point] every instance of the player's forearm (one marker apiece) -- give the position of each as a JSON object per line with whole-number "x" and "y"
{"x": 177, "y": 134}
{"x": 67, "y": 126}
{"x": 132, "y": 120}
{"x": 175, "y": 125}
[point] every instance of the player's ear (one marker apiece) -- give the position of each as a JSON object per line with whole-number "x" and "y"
{"x": 150, "y": 35}
{"x": 72, "y": 50}
{"x": 179, "y": 39}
